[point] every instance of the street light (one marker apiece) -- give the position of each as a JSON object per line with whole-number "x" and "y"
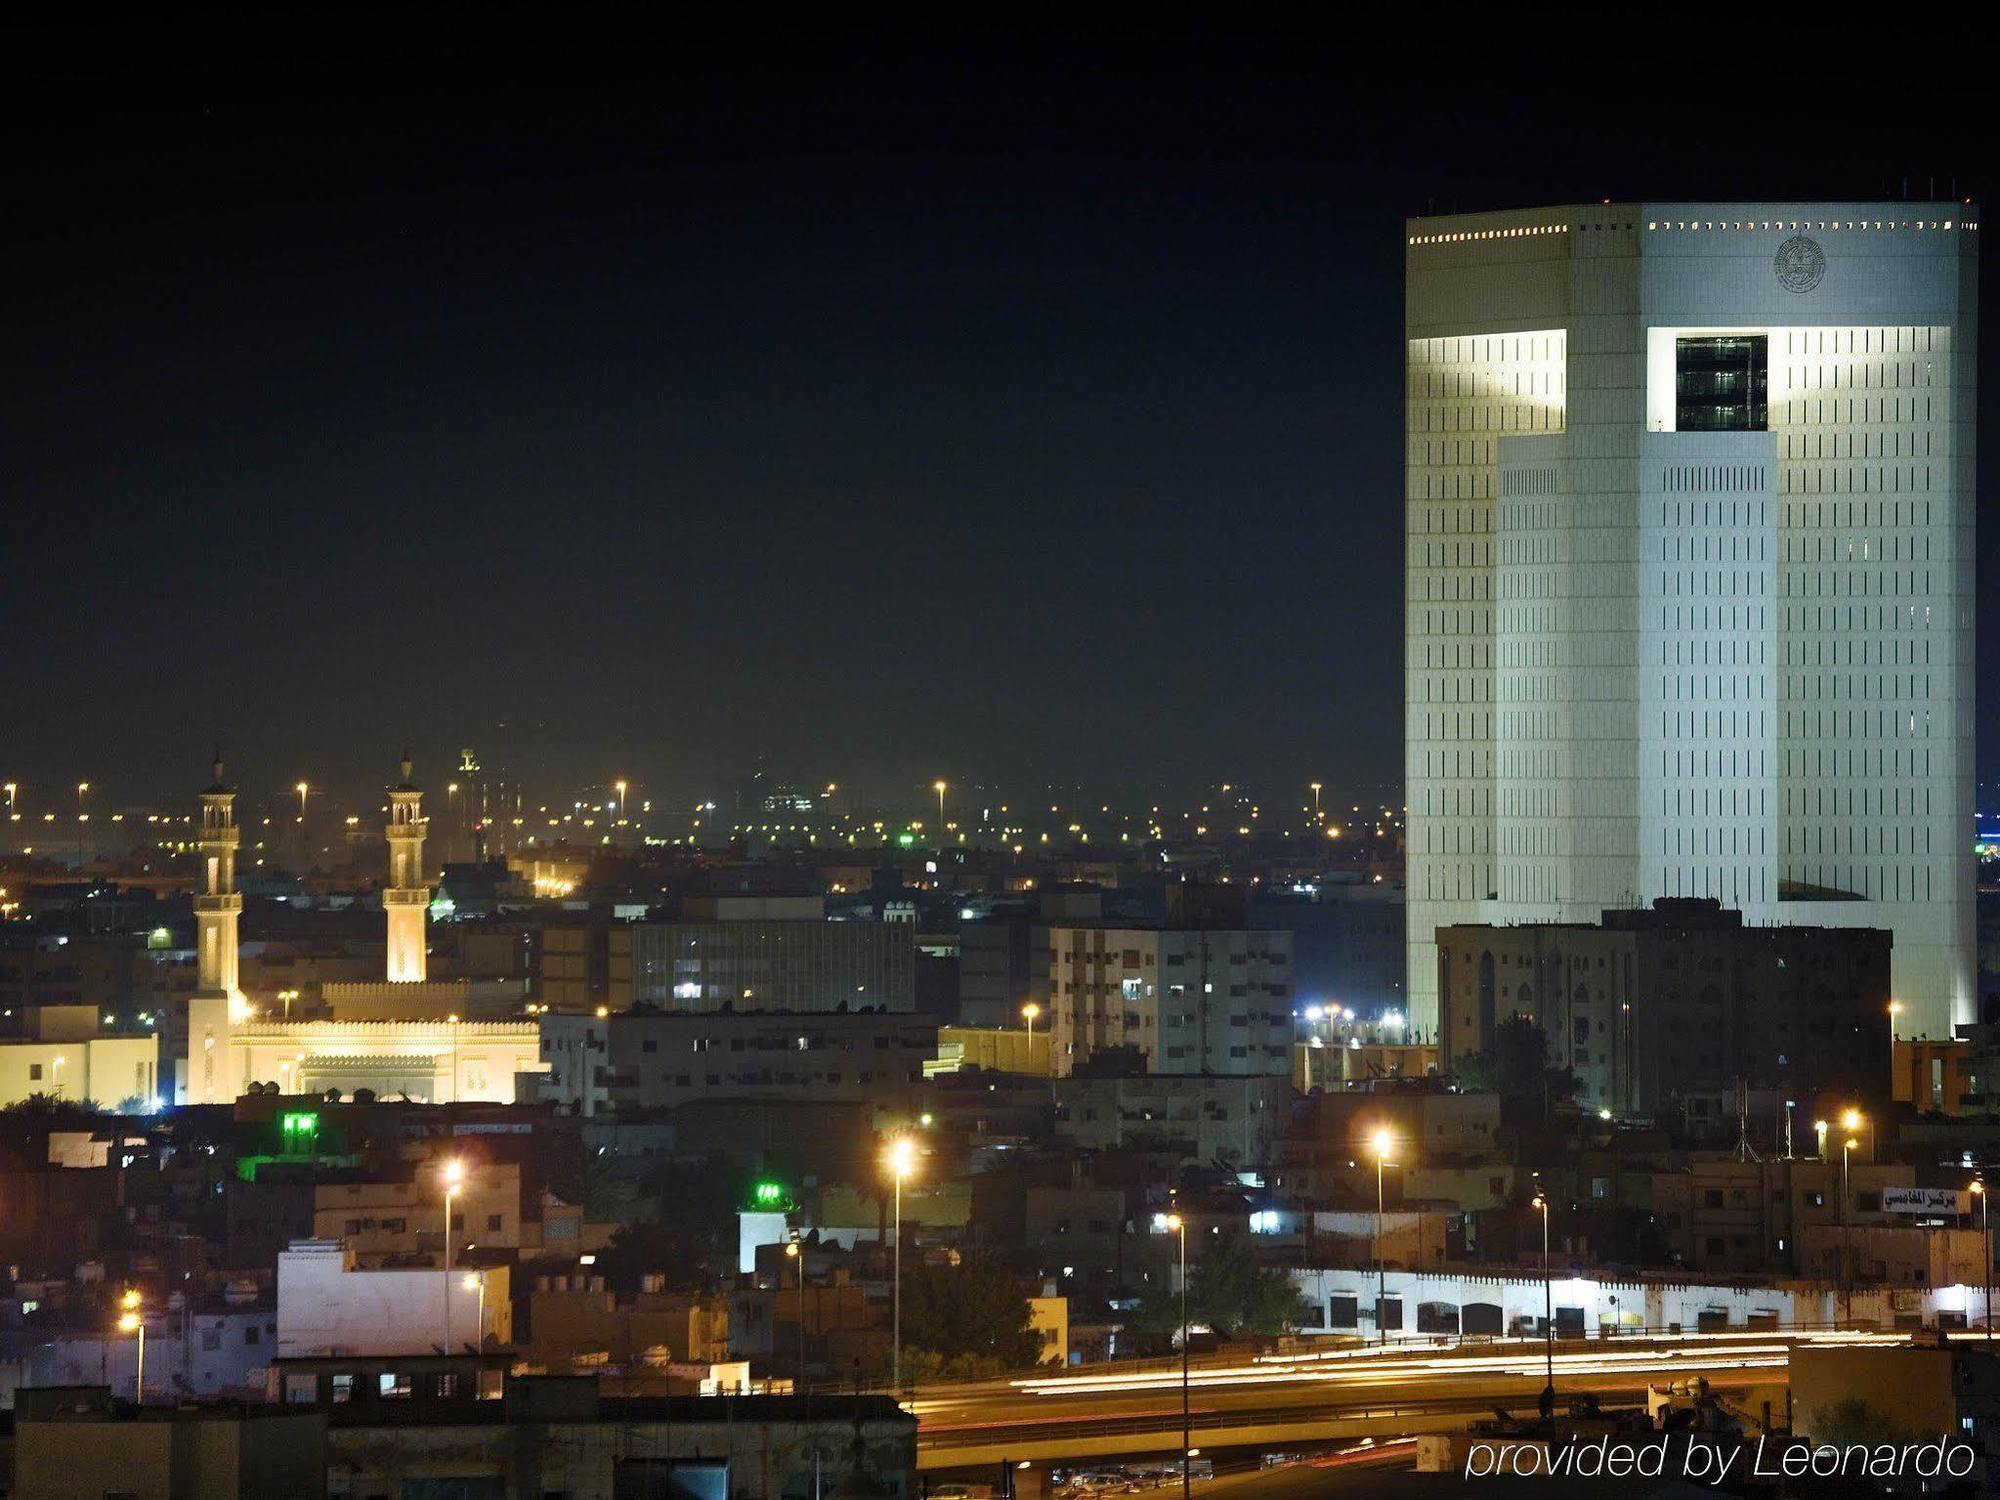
{"x": 1846, "y": 1234}
{"x": 1819, "y": 1135}
{"x": 621, "y": 800}
{"x": 1179, "y": 1226}
{"x": 452, "y": 1174}
{"x": 1852, "y": 1120}
{"x": 793, "y": 1251}
{"x": 82, "y": 817}
{"x": 902, "y": 1161}
{"x": 1541, "y": 1201}
{"x": 133, "y": 1321}
{"x": 939, "y": 788}
{"x": 453, "y": 1177}
{"x": 476, "y": 1282}
{"x": 1028, "y": 1014}
{"x": 12, "y": 788}
{"x": 1382, "y": 1142}
{"x": 1986, "y": 1229}
{"x": 1987, "y": 1275}
{"x": 1315, "y": 787}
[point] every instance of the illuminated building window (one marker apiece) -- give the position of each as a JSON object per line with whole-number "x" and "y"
{"x": 1721, "y": 384}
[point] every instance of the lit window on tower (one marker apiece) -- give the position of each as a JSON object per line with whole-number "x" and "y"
{"x": 1721, "y": 384}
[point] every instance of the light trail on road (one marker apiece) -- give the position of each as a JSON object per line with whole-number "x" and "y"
{"x": 1402, "y": 1366}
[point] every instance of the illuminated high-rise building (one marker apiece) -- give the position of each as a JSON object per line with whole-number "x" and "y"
{"x": 1689, "y": 579}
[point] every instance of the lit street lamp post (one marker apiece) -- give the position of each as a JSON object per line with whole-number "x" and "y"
{"x": 1846, "y": 1236}
{"x": 134, "y": 1321}
{"x": 476, "y": 1282}
{"x": 1383, "y": 1141}
{"x": 902, "y": 1161}
{"x": 1986, "y": 1233}
{"x": 1179, "y": 1226}
{"x": 794, "y": 1251}
{"x": 939, "y": 788}
{"x": 453, "y": 1176}
{"x": 1548, "y": 1313}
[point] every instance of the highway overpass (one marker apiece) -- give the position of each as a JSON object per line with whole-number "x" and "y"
{"x": 1283, "y": 1400}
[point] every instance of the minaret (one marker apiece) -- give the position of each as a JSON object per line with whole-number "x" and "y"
{"x": 217, "y": 1004}
{"x": 406, "y": 901}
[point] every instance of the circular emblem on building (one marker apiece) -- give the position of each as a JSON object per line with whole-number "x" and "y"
{"x": 1799, "y": 263}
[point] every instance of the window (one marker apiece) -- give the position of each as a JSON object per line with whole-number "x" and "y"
{"x": 493, "y": 1222}
{"x": 343, "y": 1389}
{"x": 1721, "y": 384}
{"x": 391, "y": 1386}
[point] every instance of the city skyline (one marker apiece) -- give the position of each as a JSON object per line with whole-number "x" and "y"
{"x": 766, "y": 410}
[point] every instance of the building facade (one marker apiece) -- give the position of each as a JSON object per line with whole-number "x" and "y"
{"x": 1646, "y": 1006}
{"x": 780, "y": 963}
{"x": 1236, "y": 1119}
{"x": 1186, "y": 1000}
{"x": 644, "y": 1059}
{"x": 1689, "y": 577}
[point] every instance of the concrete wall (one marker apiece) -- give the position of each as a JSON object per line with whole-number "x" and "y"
{"x": 105, "y": 1070}
{"x": 326, "y": 1306}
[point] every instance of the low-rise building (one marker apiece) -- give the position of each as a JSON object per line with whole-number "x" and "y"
{"x": 191, "y": 1354}
{"x": 1329, "y": 1153}
{"x": 71, "y": 1443}
{"x": 577, "y": 1322}
{"x": 771, "y": 953}
{"x": 1929, "y": 1392}
{"x": 107, "y": 1071}
{"x": 328, "y": 1304}
{"x": 1411, "y": 1236}
{"x": 645, "y": 1059}
{"x": 1894, "y": 1254}
{"x": 1589, "y": 1305}
{"x": 1226, "y": 1118}
{"x": 1680, "y": 998}
{"x": 994, "y": 1049}
{"x": 1184, "y": 999}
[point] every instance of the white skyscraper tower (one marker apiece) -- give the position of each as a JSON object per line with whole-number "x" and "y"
{"x": 1689, "y": 572}
{"x": 406, "y": 901}
{"x": 217, "y": 1004}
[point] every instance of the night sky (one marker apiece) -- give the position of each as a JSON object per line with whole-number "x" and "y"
{"x": 1018, "y": 408}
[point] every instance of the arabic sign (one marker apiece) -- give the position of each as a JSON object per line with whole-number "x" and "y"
{"x": 1919, "y": 1200}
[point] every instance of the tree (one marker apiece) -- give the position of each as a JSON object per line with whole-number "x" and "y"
{"x": 971, "y": 1317}
{"x": 1229, "y": 1290}
{"x": 1853, "y": 1421}
{"x": 1516, "y": 1066}
{"x": 40, "y": 1103}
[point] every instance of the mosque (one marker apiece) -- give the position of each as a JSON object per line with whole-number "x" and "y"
{"x": 404, "y": 1036}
